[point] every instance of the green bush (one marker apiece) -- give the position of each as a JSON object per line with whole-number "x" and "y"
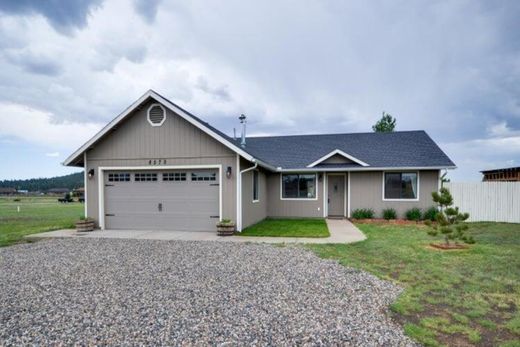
{"x": 430, "y": 214}
{"x": 389, "y": 213}
{"x": 414, "y": 214}
{"x": 363, "y": 213}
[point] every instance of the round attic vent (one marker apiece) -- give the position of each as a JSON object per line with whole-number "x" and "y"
{"x": 156, "y": 115}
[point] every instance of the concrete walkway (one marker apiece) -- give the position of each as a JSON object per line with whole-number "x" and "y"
{"x": 341, "y": 231}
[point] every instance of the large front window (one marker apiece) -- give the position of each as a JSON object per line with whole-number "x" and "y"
{"x": 296, "y": 186}
{"x": 401, "y": 185}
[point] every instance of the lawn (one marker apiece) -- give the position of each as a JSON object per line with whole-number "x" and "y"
{"x": 462, "y": 297}
{"x": 307, "y": 227}
{"x": 36, "y": 214}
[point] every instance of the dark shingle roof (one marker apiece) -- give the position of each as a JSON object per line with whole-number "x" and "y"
{"x": 396, "y": 149}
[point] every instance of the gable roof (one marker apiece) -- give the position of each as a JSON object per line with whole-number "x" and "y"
{"x": 197, "y": 122}
{"x": 337, "y": 152}
{"x": 367, "y": 151}
{"x": 400, "y": 149}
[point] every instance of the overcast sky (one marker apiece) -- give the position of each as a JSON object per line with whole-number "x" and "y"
{"x": 294, "y": 67}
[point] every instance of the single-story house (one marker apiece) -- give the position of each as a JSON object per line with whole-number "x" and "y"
{"x": 158, "y": 167}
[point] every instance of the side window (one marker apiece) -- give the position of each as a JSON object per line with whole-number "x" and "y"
{"x": 255, "y": 186}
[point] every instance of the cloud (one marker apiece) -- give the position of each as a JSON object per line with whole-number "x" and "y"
{"x": 37, "y": 127}
{"x": 451, "y": 68}
{"x": 52, "y": 154}
{"x": 62, "y": 15}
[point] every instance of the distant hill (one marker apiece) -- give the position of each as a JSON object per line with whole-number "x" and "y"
{"x": 71, "y": 181}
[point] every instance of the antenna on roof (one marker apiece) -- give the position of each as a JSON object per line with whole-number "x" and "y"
{"x": 243, "y": 121}
{"x": 234, "y": 134}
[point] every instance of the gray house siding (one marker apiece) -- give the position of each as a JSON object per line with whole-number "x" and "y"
{"x": 253, "y": 212}
{"x": 135, "y": 142}
{"x": 277, "y": 207}
{"x": 366, "y": 191}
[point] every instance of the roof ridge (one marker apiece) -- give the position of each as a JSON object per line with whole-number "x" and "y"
{"x": 331, "y": 134}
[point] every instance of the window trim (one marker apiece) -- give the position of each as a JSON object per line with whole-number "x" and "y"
{"x": 299, "y": 173}
{"x": 211, "y": 177}
{"x": 257, "y": 186}
{"x": 401, "y": 172}
{"x": 140, "y": 180}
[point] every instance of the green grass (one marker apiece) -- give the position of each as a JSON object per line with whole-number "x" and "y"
{"x": 462, "y": 297}
{"x": 37, "y": 214}
{"x": 308, "y": 227}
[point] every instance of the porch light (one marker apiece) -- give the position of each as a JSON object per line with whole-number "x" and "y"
{"x": 90, "y": 173}
{"x": 228, "y": 172}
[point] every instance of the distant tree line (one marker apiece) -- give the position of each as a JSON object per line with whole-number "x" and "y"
{"x": 71, "y": 181}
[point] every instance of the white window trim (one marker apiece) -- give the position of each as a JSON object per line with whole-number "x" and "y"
{"x": 402, "y": 171}
{"x": 299, "y": 199}
{"x": 101, "y": 183}
{"x": 340, "y": 152}
{"x": 148, "y": 115}
{"x": 345, "y": 197}
{"x": 257, "y": 188}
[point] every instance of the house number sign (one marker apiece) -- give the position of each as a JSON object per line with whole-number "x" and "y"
{"x": 157, "y": 162}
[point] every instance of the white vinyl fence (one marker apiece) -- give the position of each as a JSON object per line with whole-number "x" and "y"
{"x": 487, "y": 201}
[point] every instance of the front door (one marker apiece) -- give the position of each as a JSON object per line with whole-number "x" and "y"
{"x": 336, "y": 195}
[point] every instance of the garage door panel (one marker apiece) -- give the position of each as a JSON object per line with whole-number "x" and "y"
{"x": 185, "y": 205}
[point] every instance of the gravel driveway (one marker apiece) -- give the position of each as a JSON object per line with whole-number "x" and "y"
{"x": 108, "y": 291}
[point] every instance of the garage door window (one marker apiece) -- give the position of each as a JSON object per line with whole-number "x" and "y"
{"x": 203, "y": 176}
{"x": 174, "y": 176}
{"x": 119, "y": 177}
{"x": 145, "y": 177}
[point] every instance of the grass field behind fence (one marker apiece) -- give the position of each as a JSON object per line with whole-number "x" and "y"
{"x": 36, "y": 214}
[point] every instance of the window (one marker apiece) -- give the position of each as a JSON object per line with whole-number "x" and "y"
{"x": 400, "y": 185}
{"x": 145, "y": 177}
{"x": 174, "y": 176}
{"x": 118, "y": 177}
{"x": 255, "y": 186}
{"x": 296, "y": 186}
{"x": 203, "y": 176}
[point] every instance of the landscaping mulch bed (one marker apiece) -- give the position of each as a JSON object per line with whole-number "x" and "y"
{"x": 386, "y": 221}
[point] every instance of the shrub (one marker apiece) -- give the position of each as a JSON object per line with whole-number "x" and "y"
{"x": 414, "y": 214}
{"x": 363, "y": 213}
{"x": 430, "y": 214}
{"x": 389, "y": 213}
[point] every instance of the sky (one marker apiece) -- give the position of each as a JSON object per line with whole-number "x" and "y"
{"x": 450, "y": 68}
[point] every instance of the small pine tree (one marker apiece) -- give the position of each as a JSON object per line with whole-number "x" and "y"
{"x": 385, "y": 125}
{"x": 450, "y": 221}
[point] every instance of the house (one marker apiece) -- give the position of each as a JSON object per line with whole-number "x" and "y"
{"x": 58, "y": 191}
{"x": 157, "y": 166}
{"x": 510, "y": 174}
{"x": 7, "y": 191}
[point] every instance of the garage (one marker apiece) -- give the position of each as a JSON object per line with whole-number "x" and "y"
{"x": 162, "y": 199}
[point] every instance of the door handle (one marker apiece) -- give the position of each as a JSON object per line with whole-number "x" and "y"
{"x": 159, "y": 207}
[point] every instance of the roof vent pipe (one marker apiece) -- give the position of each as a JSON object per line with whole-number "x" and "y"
{"x": 243, "y": 122}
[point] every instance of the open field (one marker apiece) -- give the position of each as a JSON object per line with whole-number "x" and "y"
{"x": 36, "y": 214}
{"x": 468, "y": 297}
{"x": 304, "y": 227}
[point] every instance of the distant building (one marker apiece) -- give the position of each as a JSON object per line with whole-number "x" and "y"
{"x": 7, "y": 191}
{"x": 58, "y": 191}
{"x": 510, "y": 174}
{"x": 22, "y": 191}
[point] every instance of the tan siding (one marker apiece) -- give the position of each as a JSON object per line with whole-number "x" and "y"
{"x": 135, "y": 142}
{"x": 337, "y": 159}
{"x": 367, "y": 192}
{"x": 253, "y": 212}
{"x": 291, "y": 208}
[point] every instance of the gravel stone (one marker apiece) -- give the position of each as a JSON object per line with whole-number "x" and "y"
{"x": 145, "y": 292}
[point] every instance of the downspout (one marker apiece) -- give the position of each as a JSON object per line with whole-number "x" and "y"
{"x": 239, "y": 217}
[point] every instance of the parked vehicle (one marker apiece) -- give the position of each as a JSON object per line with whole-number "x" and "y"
{"x": 67, "y": 198}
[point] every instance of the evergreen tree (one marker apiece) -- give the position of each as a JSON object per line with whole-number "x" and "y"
{"x": 385, "y": 125}
{"x": 450, "y": 221}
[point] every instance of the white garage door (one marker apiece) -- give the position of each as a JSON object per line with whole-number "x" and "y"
{"x": 162, "y": 200}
